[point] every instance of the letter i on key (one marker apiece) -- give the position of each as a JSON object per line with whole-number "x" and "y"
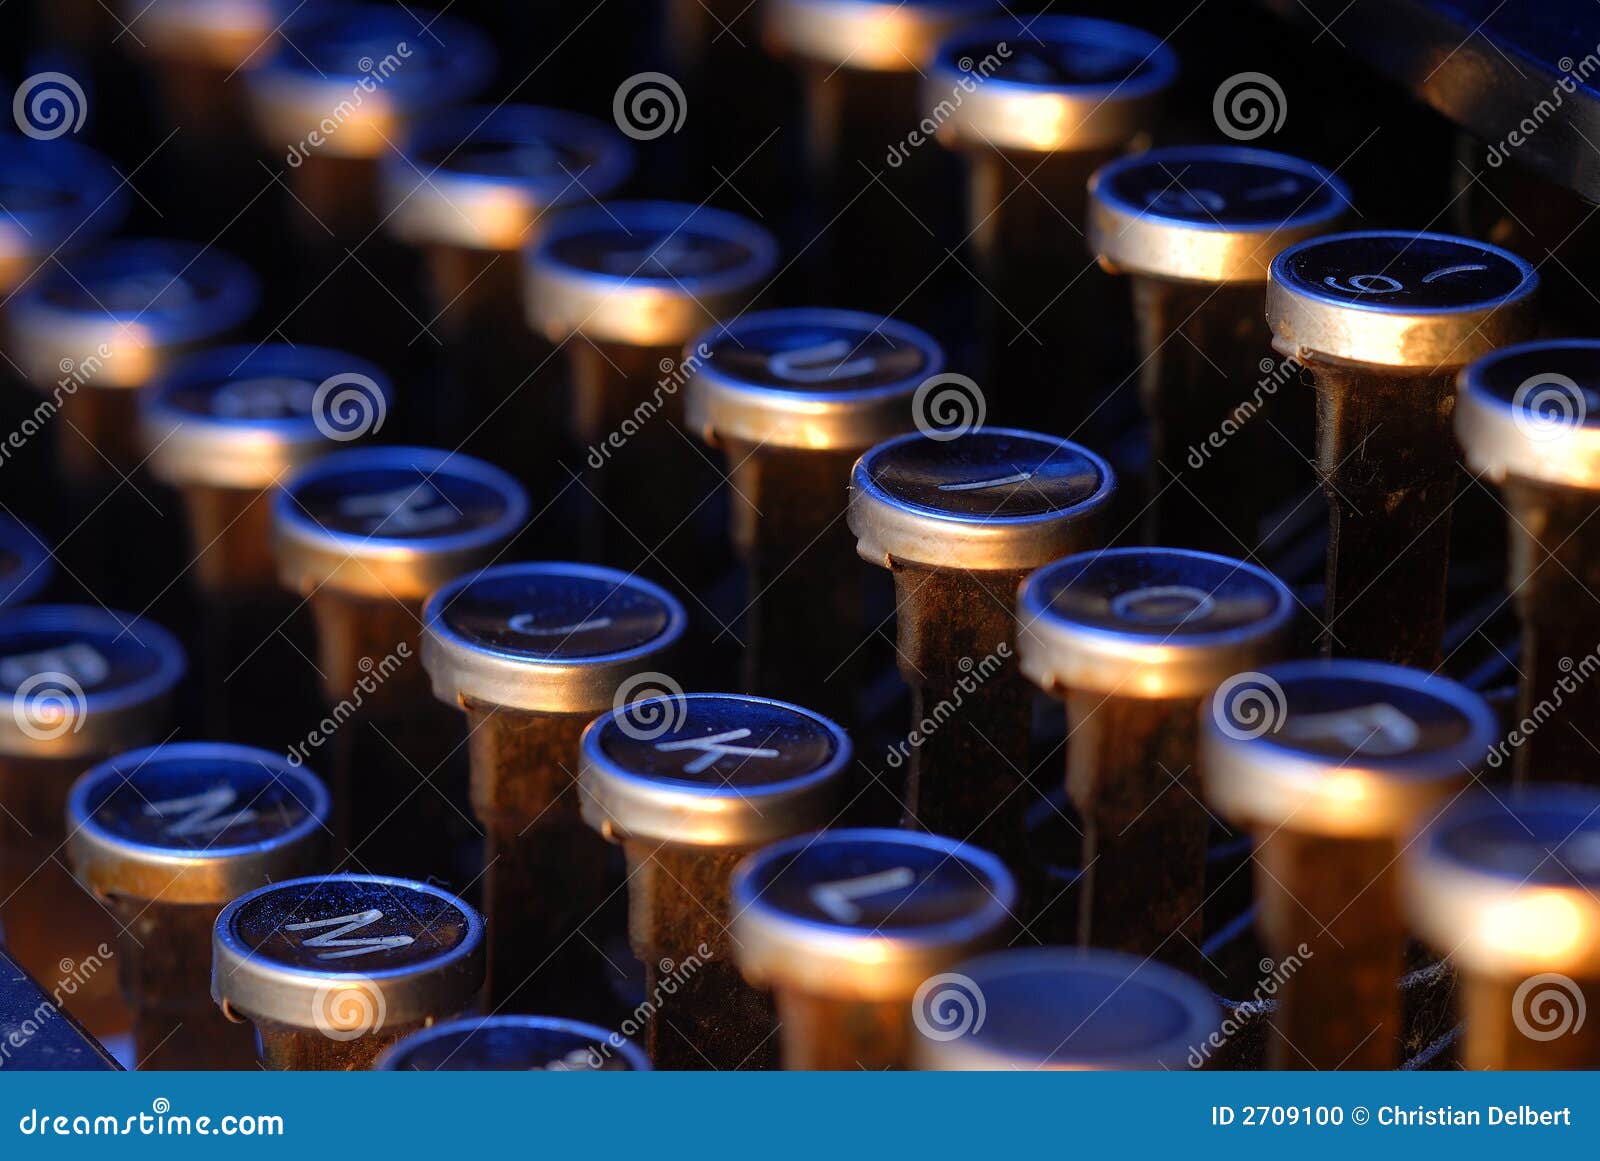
{"x": 689, "y": 786}
{"x": 1528, "y": 419}
{"x": 531, "y": 653}
{"x": 1331, "y": 765}
{"x": 1382, "y": 321}
{"x": 1133, "y": 640}
{"x": 1195, "y": 228}
{"x": 960, "y": 520}
{"x": 1505, "y": 885}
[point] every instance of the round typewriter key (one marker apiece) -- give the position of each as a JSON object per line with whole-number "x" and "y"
{"x": 1060, "y": 1008}
{"x": 196, "y": 48}
{"x": 792, "y": 397}
{"x": 1506, "y": 885}
{"x": 531, "y": 653}
{"x": 82, "y": 683}
{"x": 107, "y": 321}
{"x": 332, "y": 970}
{"x": 399, "y": 65}
{"x": 879, "y": 201}
{"x": 167, "y": 836}
{"x": 1528, "y": 419}
{"x": 689, "y": 785}
{"x": 1381, "y": 321}
{"x": 1134, "y": 640}
{"x": 844, "y": 926}
{"x": 514, "y": 1044}
{"x": 54, "y": 195}
{"x": 1331, "y": 765}
{"x": 471, "y": 188}
{"x": 632, "y": 282}
{"x": 26, "y": 566}
{"x": 223, "y": 427}
{"x": 364, "y": 536}
{"x": 1195, "y": 228}
{"x": 1038, "y": 107}
{"x": 959, "y": 523}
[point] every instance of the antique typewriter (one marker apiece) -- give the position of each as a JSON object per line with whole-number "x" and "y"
{"x": 810, "y": 534}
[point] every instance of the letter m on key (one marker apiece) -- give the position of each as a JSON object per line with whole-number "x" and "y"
{"x": 341, "y": 926}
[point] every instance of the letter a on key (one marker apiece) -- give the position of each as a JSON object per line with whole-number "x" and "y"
{"x": 343, "y": 925}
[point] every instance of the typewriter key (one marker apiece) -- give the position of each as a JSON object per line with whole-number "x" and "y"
{"x": 960, "y": 522}
{"x": 1505, "y": 884}
{"x": 197, "y": 48}
{"x": 89, "y": 332}
{"x": 223, "y": 427}
{"x": 1382, "y": 321}
{"x": 1038, "y": 106}
{"x": 58, "y": 197}
{"x": 1063, "y": 1008}
{"x": 1331, "y": 765}
{"x": 792, "y": 397}
{"x": 622, "y": 287}
{"x": 1195, "y": 228}
{"x": 377, "y": 68}
{"x": 689, "y": 786}
{"x": 83, "y": 684}
{"x": 364, "y": 536}
{"x": 60, "y": 1044}
{"x": 513, "y": 1044}
{"x": 26, "y": 566}
{"x": 531, "y": 653}
{"x": 1527, "y": 419}
{"x": 845, "y": 926}
{"x": 166, "y": 836}
{"x": 1134, "y": 640}
{"x": 878, "y": 195}
{"x": 332, "y": 970}
{"x": 470, "y": 189}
